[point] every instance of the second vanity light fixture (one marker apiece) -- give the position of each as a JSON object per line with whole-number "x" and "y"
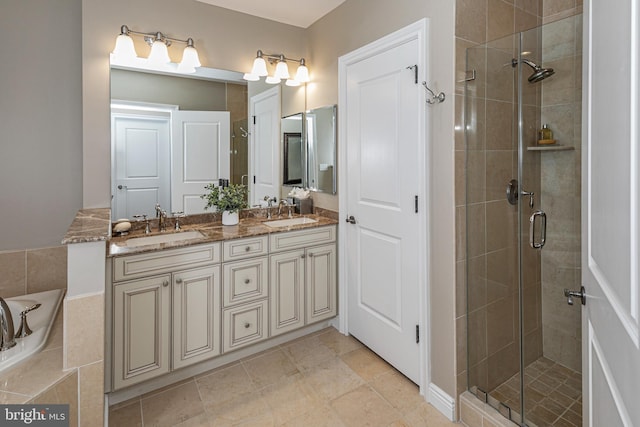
{"x": 282, "y": 70}
{"x": 159, "y": 56}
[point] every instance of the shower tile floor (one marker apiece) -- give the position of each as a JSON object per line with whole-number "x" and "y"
{"x": 553, "y": 394}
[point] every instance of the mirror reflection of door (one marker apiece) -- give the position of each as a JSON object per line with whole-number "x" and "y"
{"x": 293, "y": 147}
{"x": 141, "y": 170}
{"x": 293, "y": 156}
{"x": 219, "y": 94}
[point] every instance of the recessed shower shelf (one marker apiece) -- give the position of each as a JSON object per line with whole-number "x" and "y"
{"x": 550, "y": 148}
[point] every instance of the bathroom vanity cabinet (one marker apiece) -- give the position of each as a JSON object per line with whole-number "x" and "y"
{"x": 174, "y": 308}
{"x": 168, "y": 309}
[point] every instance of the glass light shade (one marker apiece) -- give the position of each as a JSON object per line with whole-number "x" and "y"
{"x": 159, "y": 53}
{"x": 302, "y": 74}
{"x": 189, "y": 61}
{"x": 272, "y": 80}
{"x": 293, "y": 82}
{"x": 282, "y": 70}
{"x": 124, "y": 48}
{"x": 251, "y": 77}
{"x": 259, "y": 67}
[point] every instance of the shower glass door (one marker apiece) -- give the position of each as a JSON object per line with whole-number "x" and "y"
{"x": 519, "y": 326}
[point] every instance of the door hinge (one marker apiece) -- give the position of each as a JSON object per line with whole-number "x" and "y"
{"x": 416, "y": 202}
{"x": 415, "y": 72}
{"x": 254, "y": 120}
{"x": 417, "y": 334}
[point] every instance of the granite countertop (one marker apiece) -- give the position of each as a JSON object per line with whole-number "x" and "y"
{"x": 213, "y": 232}
{"x": 89, "y": 225}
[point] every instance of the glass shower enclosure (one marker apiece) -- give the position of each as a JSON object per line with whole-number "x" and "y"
{"x": 523, "y": 223}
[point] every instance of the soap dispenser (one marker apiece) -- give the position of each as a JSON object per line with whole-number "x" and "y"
{"x": 545, "y": 135}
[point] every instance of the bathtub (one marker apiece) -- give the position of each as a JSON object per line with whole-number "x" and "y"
{"x": 40, "y": 321}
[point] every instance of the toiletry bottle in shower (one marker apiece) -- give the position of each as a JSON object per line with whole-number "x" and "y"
{"x": 545, "y": 134}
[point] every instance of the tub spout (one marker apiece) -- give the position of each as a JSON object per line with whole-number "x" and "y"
{"x": 7, "y": 336}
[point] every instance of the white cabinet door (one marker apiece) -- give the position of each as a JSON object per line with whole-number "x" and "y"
{"x": 196, "y": 315}
{"x": 320, "y": 272}
{"x": 141, "y": 330}
{"x": 286, "y": 291}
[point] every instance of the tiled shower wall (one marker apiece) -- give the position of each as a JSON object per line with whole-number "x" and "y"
{"x": 478, "y": 22}
{"x": 561, "y": 109}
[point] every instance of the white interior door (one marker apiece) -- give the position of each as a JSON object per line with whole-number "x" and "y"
{"x": 265, "y": 137}
{"x": 385, "y": 158}
{"x": 140, "y": 164}
{"x": 611, "y": 214}
{"x": 200, "y": 155}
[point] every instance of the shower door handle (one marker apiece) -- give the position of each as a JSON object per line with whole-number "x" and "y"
{"x": 532, "y": 229}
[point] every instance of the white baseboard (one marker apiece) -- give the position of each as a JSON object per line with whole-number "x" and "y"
{"x": 442, "y": 402}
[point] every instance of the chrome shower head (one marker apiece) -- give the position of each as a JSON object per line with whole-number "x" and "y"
{"x": 539, "y": 73}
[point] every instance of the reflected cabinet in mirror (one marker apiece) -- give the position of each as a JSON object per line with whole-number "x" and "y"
{"x": 309, "y": 150}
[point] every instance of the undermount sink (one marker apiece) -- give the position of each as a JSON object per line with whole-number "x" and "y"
{"x": 290, "y": 221}
{"x": 164, "y": 238}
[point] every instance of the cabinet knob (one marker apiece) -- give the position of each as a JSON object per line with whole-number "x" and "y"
{"x": 165, "y": 283}
{"x": 302, "y": 256}
{"x": 247, "y": 325}
{"x": 247, "y": 249}
{"x": 178, "y": 280}
{"x": 310, "y": 255}
{"x": 247, "y": 281}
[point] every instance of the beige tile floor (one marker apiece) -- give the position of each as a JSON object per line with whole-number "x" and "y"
{"x": 325, "y": 379}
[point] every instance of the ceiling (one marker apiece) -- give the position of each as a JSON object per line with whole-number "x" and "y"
{"x": 301, "y": 13}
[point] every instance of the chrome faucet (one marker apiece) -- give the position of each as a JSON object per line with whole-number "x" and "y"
{"x": 7, "y": 335}
{"x": 283, "y": 202}
{"x": 270, "y": 201}
{"x": 161, "y": 214}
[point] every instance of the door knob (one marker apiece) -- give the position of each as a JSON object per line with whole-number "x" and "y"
{"x": 351, "y": 219}
{"x": 576, "y": 294}
{"x": 120, "y": 187}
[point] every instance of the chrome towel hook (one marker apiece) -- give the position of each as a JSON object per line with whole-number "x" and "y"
{"x": 435, "y": 99}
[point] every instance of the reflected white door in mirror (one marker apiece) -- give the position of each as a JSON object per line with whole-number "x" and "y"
{"x": 161, "y": 155}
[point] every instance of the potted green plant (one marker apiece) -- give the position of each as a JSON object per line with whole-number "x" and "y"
{"x": 228, "y": 200}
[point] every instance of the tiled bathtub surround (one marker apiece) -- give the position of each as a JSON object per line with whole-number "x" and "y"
{"x": 32, "y": 270}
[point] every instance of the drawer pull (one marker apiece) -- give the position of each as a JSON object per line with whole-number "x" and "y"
{"x": 247, "y": 249}
{"x": 165, "y": 283}
{"x": 247, "y": 325}
{"x": 247, "y": 281}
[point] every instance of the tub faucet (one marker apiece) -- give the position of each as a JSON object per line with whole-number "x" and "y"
{"x": 7, "y": 336}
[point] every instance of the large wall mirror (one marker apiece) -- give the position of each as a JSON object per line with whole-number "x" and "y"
{"x": 171, "y": 134}
{"x": 309, "y": 150}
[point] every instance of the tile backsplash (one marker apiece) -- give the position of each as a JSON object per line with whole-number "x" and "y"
{"x": 32, "y": 270}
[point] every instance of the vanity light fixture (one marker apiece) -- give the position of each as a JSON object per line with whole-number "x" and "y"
{"x": 125, "y": 50}
{"x": 281, "y": 72}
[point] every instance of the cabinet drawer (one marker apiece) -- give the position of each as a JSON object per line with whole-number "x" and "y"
{"x": 165, "y": 261}
{"x": 301, "y": 238}
{"x": 245, "y": 281}
{"x": 244, "y": 325}
{"x": 244, "y": 248}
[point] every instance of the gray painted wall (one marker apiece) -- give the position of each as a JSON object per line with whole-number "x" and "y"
{"x": 40, "y": 121}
